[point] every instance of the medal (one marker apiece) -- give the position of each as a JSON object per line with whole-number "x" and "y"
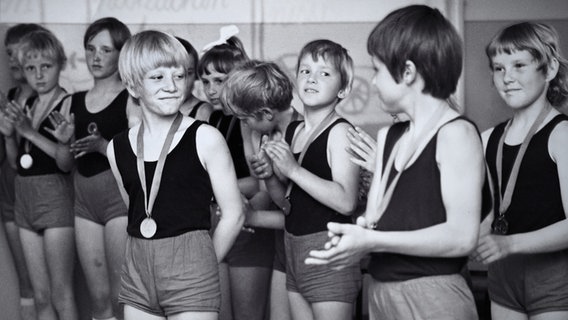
{"x": 26, "y": 161}
{"x": 500, "y": 225}
{"x": 148, "y": 227}
{"x": 92, "y": 128}
{"x": 505, "y": 193}
{"x": 286, "y": 206}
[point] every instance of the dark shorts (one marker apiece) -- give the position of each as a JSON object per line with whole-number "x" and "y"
{"x": 97, "y": 198}
{"x": 444, "y": 297}
{"x": 7, "y": 192}
{"x": 252, "y": 249}
{"x": 44, "y": 201}
{"x": 167, "y": 276}
{"x": 279, "y": 262}
{"x": 530, "y": 284}
{"x": 318, "y": 283}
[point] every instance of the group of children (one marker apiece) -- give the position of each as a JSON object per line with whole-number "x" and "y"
{"x": 242, "y": 208}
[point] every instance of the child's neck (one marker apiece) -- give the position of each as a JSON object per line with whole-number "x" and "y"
{"x": 157, "y": 125}
{"x": 313, "y": 117}
{"x": 524, "y": 117}
{"x": 108, "y": 84}
{"x": 46, "y": 96}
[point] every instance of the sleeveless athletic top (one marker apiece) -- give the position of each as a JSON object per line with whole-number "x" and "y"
{"x": 537, "y": 200}
{"x": 110, "y": 121}
{"x": 182, "y": 203}
{"x": 193, "y": 112}
{"x": 42, "y": 162}
{"x": 415, "y": 204}
{"x": 308, "y": 215}
{"x": 234, "y": 140}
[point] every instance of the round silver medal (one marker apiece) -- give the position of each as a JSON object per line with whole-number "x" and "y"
{"x": 26, "y": 161}
{"x": 148, "y": 228}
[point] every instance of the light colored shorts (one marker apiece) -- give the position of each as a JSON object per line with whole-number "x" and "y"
{"x": 530, "y": 284}
{"x": 44, "y": 201}
{"x": 444, "y": 297}
{"x": 318, "y": 283}
{"x": 97, "y": 198}
{"x": 167, "y": 276}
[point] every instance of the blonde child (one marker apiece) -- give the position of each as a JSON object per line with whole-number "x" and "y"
{"x": 168, "y": 167}
{"x": 44, "y": 194}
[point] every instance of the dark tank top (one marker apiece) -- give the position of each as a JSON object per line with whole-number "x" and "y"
{"x": 537, "y": 200}
{"x": 42, "y": 162}
{"x": 416, "y": 204}
{"x": 232, "y": 134}
{"x": 110, "y": 121}
{"x": 182, "y": 203}
{"x": 308, "y": 215}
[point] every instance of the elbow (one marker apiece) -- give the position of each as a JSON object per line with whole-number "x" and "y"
{"x": 465, "y": 244}
{"x": 346, "y": 208}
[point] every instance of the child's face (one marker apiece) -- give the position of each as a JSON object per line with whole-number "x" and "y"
{"x": 212, "y": 85}
{"x": 101, "y": 55}
{"x": 163, "y": 90}
{"x": 257, "y": 121}
{"x": 15, "y": 68}
{"x": 389, "y": 91}
{"x": 42, "y": 73}
{"x": 517, "y": 78}
{"x": 318, "y": 82}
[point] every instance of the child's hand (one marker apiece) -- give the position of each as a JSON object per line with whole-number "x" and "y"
{"x": 21, "y": 121}
{"x": 261, "y": 165}
{"x": 6, "y": 124}
{"x": 282, "y": 158}
{"x": 91, "y": 143}
{"x": 64, "y": 128}
{"x": 362, "y": 148}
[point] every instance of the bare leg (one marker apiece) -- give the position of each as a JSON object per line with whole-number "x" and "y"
{"x": 13, "y": 235}
{"x": 33, "y": 246}
{"x": 332, "y": 310}
{"x": 299, "y": 307}
{"x": 115, "y": 245}
{"x": 226, "y": 312}
{"x": 249, "y": 292}
{"x": 279, "y": 304}
{"x": 499, "y": 312}
{"x": 60, "y": 257}
{"x": 9, "y": 297}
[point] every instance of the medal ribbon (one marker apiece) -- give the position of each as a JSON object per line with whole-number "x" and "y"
{"x": 157, "y": 178}
{"x": 50, "y": 106}
{"x": 508, "y": 194}
{"x": 329, "y": 118}
{"x": 384, "y": 194}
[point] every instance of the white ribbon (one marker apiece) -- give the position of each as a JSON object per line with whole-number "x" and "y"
{"x": 225, "y": 33}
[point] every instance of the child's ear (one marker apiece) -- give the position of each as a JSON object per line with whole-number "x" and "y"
{"x": 409, "y": 75}
{"x": 268, "y": 113}
{"x": 132, "y": 91}
{"x": 552, "y": 71}
{"x": 341, "y": 94}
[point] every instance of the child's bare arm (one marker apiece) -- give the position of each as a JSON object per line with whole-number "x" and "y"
{"x": 215, "y": 157}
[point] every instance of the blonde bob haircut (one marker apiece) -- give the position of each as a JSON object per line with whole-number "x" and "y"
{"x": 41, "y": 43}
{"x": 148, "y": 50}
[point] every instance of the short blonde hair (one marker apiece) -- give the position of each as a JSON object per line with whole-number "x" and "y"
{"x": 148, "y": 50}
{"x": 41, "y": 43}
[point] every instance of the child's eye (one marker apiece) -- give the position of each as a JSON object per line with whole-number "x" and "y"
{"x": 519, "y": 65}
{"x": 179, "y": 76}
{"x": 304, "y": 71}
{"x": 90, "y": 48}
{"x": 29, "y": 68}
{"x": 218, "y": 81}
{"x": 497, "y": 69}
{"x": 325, "y": 74}
{"x": 156, "y": 77}
{"x": 45, "y": 66}
{"x": 107, "y": 50}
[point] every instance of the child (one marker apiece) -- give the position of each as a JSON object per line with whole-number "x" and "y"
{"x": 43, "y": 203}
{"x": 20, "y": 93}
{"x": 259, "y": 94}
{"x": 321, "y": 188}
{"x": 193, "y": 107}
{"x": 171, "y": 262}
{"x": 250, "y": 259}
{"x": 524, "y": 240}
{"x": 421, "y": 238}
{"x": 100, "y": 214}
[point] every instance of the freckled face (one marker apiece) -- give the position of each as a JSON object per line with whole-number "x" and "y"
{"x": 318, "y": 82}
{"x": 42, "y": 73}
{"x": 163, "y": 90}
{"x": 101, "y": 55}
